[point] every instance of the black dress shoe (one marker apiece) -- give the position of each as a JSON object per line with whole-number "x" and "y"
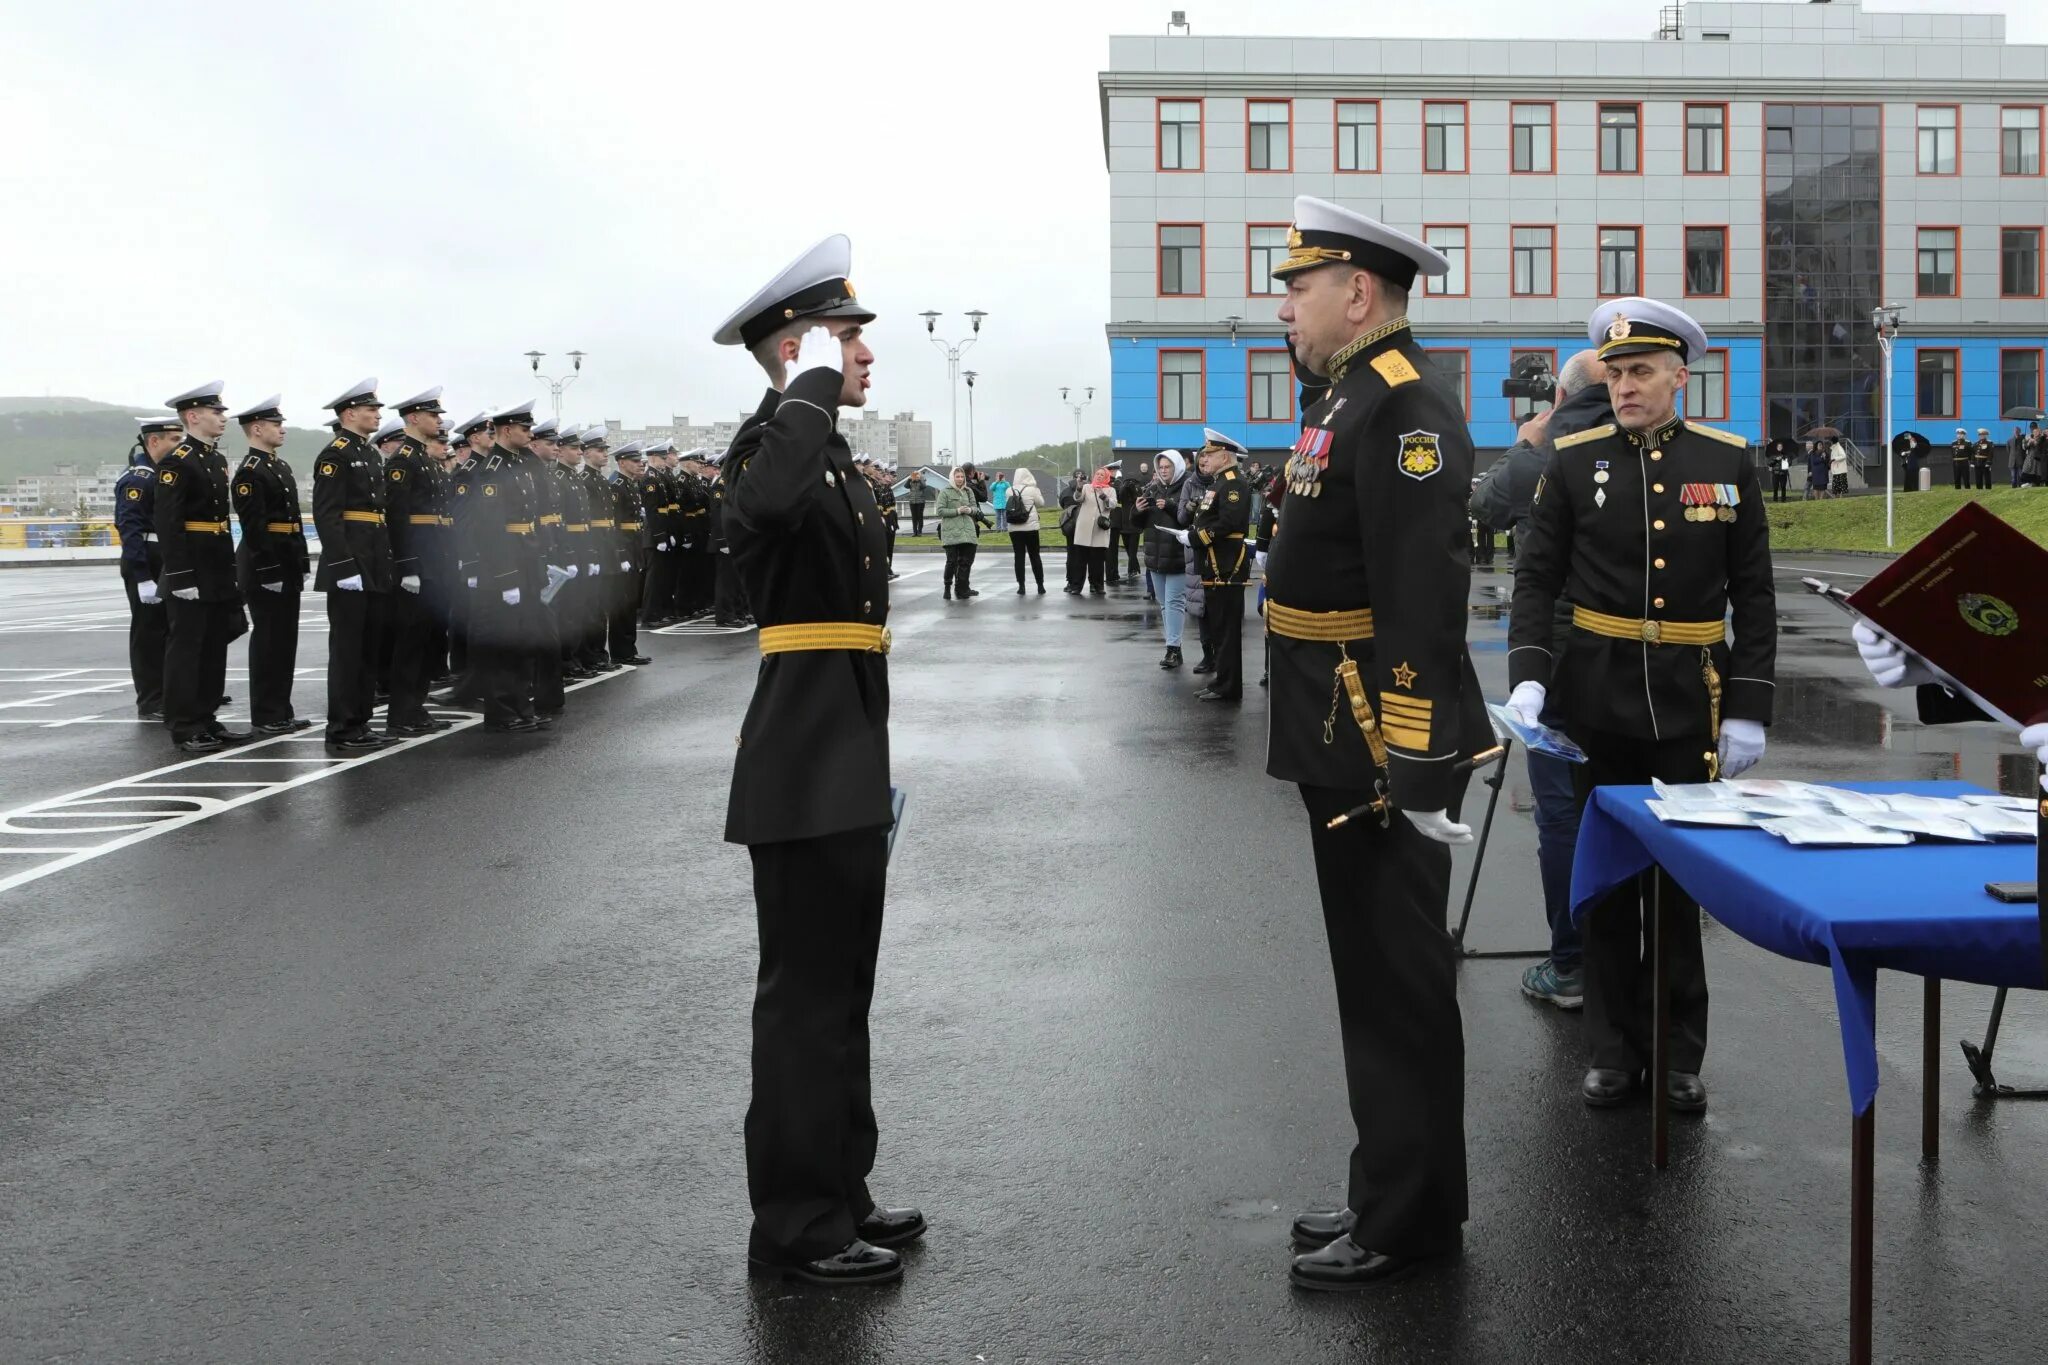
{"x": 283, "y": 727}
{"x": 300, "y": 723}
{"x": 227, "y": 736}
{"x": 518, "y": 725}
{"x": 1206, "y": 666}
{"x": 637, "y": 659}
{"x": 1041, "y": 589}
{"x": 1314, "y": 1231}
{"x": 1020, "y": 590}
{"x": 207, "y": 743}
{"x": 1604, "y": 1087}
{"x": 1686, "y": 1092}
{"x": 149, "y": 715}
{"x": 889, "y": 1227}
{"x": 1172, "y": 659}
{"x": 1072, "y": 592}
{"x": 1344, "y": 1264}
{"x": 363, "y": 743}
{"x": 1211, "y": 694}
{"x": 577, "y": 673}
{"x": 854, "y": 1263}
{"x": 225, "y": 701}
{"x": 410, "y": 729}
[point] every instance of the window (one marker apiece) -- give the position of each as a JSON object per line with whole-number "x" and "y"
{"x": 1532, "y": 137}
{"x": 1180, "y": 258}
{"x": 1937, "y": 263}
{"x": 1534, "y": 251}
{"x": 1621, "y": 261}
{"x": 1706, "y": 139}
{"x": 2019, "y": 140}
{"x": 1266, "y": 246}
{"x": 1272, "y": 387}
{"x": 1358, "y": 135}
{"x": 1443, "y": 137}
{"x": 1934, "y": 392}
{"x": 1450, "y": 241}
{"x": 1269, "y": 135}
{"x": 1180, "y": 386}
{"x": 1937, "y": 131}
{"x": 1180, "y": 135}
{"x": 2019, "y": 380}
{"x": 1621, "y": 139}
{"x": 1706, "y": 262}
{"x": 2019, "y": 263}
{"x": 1455, "y": 367}
{"x": 1706, "y": 387}
{"x": 1522, "y": 409}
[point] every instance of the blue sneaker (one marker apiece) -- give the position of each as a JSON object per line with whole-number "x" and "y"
{"x": 1544, "y": 981}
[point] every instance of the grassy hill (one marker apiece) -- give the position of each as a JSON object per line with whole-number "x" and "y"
{"x": 37, "y": 434}
{"x": 1858, "y": 523}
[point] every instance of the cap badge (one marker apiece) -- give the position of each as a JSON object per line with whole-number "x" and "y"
{"x": 1618, "y": 329}
{"x": 1293, "y": 238}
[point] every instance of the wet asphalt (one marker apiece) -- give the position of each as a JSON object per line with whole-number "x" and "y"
{"x": 445, "y": 1057}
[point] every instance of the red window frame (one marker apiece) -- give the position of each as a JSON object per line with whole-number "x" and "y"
{"x": 1957, "y": 229}
{"x": 1159, "y": 261}
{"x": 2040, "y": 143}
{"x": 1466, "y": 228}
{"x": 1279, "y": 287}
{"x": 1250, "y": 100}
{"x": 1599, "y": 130}
{"x": 1465, "y": 105}
{"x": 1159, "y": 393}
{"x": 1512, "y": 106}
{"x": 1955, "y": 351}
{"x": 1722, "y": 415}
{"x": 2040, "y": 370}
{"x": 1201, "y": 135}
{"x": 1464, "y": 373}
{"x": 1286, "y": 389}
{"x": 1379, "y": 137}
{"x": 1955, "y": 128}
{"x": 1685, "y": 132}
{"x": 1727, "y": 260}
{"x": 2039, "y": 265}
{"x": 1637, "y": 288}
{"x": 1551, "y": 228}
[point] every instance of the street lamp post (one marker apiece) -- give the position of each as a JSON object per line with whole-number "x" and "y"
{"x": 555, "y": 386}
{"x": 1885, "y": 318}
{"x": 953, "y": 352}
{"x": 1089, "y": 397}
{"x": 970, "y": 377}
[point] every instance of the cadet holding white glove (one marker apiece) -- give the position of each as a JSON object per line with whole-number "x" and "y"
{"x": 1889, "y": 662}
{"x": 353, "y": 583}
{"x": 185, "y": 594}
{"x": 146, "y": 594}
{"x": 411, "y": 582}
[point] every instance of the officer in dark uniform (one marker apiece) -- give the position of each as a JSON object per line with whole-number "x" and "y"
{"x": 270, "y": 566}
{"x": 1373, "y": 700}
{"x": 141, "y": 564}
{"x": 501, "y": 547}
{"x": 471, "y": 438}
{"x": 630, "y": 510}
{"x": 696, "y": 574}
{"x": 593, "y": 651}
{"x": 412, "y": 519}
{"x": 1959, "y": 458}
{"x": 1981, "y": 457}
{"x": 355, "y": 566}
{"x": 729, "y": 598}
{"x": 657, "y": 520}
{"x": 1653, "y": 528}
{"x": 810, "y": 788}
{"x": 569, "y": 606}
{"x": 204, "y": 607}
{"x": 1223, "y": 558}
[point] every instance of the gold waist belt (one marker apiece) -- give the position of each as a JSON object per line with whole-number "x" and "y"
{"x": 1650, "y": 632}
{"x": 374, "y": 518}
{"x": 419, "y": 519}
{"x": 282, "y": 527}
{"x": 629, "y": 525}
{"x": 576, "y": 526}
{"x": 825, "y": 635}
{"x": 606, "y": 526}
{"x": 218, "y": 528}
{"x": 519, "y": 528}
{"x": 552, "y": 519}
{"x": 1332, "y": 627}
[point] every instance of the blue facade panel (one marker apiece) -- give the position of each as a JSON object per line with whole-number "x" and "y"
{"x": 1979, "y": 364}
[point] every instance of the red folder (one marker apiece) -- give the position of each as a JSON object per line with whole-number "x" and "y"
{"x": 1972, "y": 599}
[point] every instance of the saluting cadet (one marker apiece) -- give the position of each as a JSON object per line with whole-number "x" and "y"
{"x": 142, "y": 564}
{"x": 605, "y": 566}
{"x": 630, "y": 510}
{"x": 810, "y": 788}
{"x": 505, "y": 561}
{"x": 1373, "y": 699}
{"x": 412, "y": 518}
{"x": 1223, "y": 558}
{"x": 355, "y": 566}
{"x": 1648, "y": 684}
{"x": 204, "y": 606}
{"x": 271, "y": 565}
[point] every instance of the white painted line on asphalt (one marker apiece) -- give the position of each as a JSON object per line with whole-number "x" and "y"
{"x": 46, "y": 698}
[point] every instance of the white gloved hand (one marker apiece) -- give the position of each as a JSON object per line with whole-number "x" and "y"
{"x": 625, "y": 566}
{"x": 353, "y": 583}
{"x": 1260, "y": 560}
{"x": 273, "y": 587}
{"x": 470, "y": 582}
{"x": 1888, "y": 661}
{"x": 819, "y": 350}
{"x": 1526, "y": 701}
{"x": 185, "y": 594}
{"x": 1742, "y": 744}
{"x": 146, "y": 593}
{"x": 1438, "y": 825}
{"x": 1179, "y": 535}
{"x": 575, "y": 569}
{"x": 2035, "y": 737}
{"x": 511, "y": 596}
{"x": 411, "y": 582}
{"x": 593, "y": 571}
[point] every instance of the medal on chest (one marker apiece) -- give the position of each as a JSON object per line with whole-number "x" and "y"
{"x": 1308, "y": 462}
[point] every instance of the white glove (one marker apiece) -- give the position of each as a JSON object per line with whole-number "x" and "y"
{"x": 1260, "y": 560}
{"x": 185, "y": 594}
{"x": 1888, "y": 661}
{"x": 669, "y": 544}
{"x": 819, "y": 350}
{"x": 511, "y": 596}
{"x": 625, "y": 566}
{"x": 1526, "y": 701}
{"x": 353, "y": 583}
{"x": 593, "y": 571}
{"x": 411, "y": 582}
{"x": 1742, "y": 744}
{"x": 575, "y": 569}
{"x": 1438, "y": 825}
{"x": 273, "y": 587}
{"x": 1179, "y": 535}
{"x": 2035, "y": 737}
{"x": 471, "y": 582}
{"x": 145, "y": 593}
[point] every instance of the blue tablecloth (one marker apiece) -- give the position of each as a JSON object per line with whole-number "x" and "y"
{"x": 1920, "y": 909}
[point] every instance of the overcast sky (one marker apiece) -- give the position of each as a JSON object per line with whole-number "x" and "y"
{"x": 292, "y": 196}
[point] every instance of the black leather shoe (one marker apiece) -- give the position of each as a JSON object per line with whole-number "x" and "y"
{"x": 201, "y": 744}
{"x": 1345, "y": 1265}
{"x": 1314, "y": 1231}
{"x": 411, "y": 729}
{"x": 226, "y": 702}
{"x": 636, "y": 659}
{"x": 149, "y": 715}
{"x": 300, "y": 723}
{"x": 889, "y": 1227}
{"x": 1605, "y": 1087}
{"x": 1686, "y": 1092}
{"x": 363, "y": 743}
{"x": 1041, "y": 589}
{"x": 1206, "y": 666}
{"x": 854, "y": 1263}
{"x": 577, "y": 673}
{"x": 1211, "y": 694}
{"x": 1072, "y": 592}
{"x": 517, "y": 726}
{"x": 227, "y": 736}
{"x": 283, "y": 727}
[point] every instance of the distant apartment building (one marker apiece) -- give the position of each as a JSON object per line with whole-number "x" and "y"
{"x": 62, "y": 491}
{"x": 903, "y": 440}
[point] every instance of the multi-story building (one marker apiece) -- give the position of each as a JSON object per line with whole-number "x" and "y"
{"x": 65, "y": 490}
{"x": 1779, "y": 169}
{"x": 904, "y": 440}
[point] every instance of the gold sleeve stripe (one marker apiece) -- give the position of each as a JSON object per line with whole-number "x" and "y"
{"x": 1402, "y": 706}
{"x": 1402, "y": 737}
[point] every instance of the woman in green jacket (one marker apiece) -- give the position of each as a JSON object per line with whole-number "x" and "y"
{"x": 959, "y": 534}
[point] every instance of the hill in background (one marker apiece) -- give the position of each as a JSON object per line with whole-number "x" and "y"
{"x": 38, "y": 434}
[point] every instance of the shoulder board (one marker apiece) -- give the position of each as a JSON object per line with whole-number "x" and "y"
{"x": 1579, "y": 438}
{"x": 495, "y": 461}
{"x": 184, "y": 449}
{"x": 1716, "y": 434}
{"x": 1395, "y": 368}
{"x": 339, "y": 443}
{"x": 1230, "y": 475}
{"x": 254, "y": 461}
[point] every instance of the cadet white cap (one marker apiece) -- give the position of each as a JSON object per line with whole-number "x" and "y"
{"x": 1325, "y": 233}
{"x": 393, "y": 426}
{"x": 520, "y": 414}
{"x": 363, "y": 394}
{"x": 265, "y": 411}
{"x": 205, "y": 396}
{"x": 814, "y": 285}
{"x": 1636, "y": 326}
{"x": 430, "y": 401}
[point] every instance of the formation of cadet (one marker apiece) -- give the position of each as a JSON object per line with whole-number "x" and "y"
{"x": 681, "y": 507}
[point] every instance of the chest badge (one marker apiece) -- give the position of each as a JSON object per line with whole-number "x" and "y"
{"x": 831, "y": 479}
{"x": 1335, "y": 408}
{"x": 1599, "y": 476}
{"x": 1600, "y": 498}
{"x": 1421, "y": 456}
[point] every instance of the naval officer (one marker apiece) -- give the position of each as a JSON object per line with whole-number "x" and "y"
{"x": 141, "y": 563}
{"x": 412, "y": 523}
{"x": 271, "y": 564}
{"x": 204, "y": 606}
{"x": 355, "y": 565}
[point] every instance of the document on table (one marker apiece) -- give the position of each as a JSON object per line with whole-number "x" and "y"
{"x": 1676, "y": 813}
{"x": 1536, "y": 738}
{"x": 1832, "y": 831}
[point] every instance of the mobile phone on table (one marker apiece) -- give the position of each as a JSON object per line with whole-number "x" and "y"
{"x": 2013, "y": 893}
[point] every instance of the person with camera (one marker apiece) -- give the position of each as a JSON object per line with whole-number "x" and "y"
{"x": 1094, "y": 505}
{"x": 959, "y": 533}
{"x": 1778, "y": 453}
{"x": 1166, "y": 559}
{"x": 1020, "y": 519}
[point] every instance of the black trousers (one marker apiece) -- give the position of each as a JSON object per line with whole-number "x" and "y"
{"x": 1223, "y": 624}
{"x": 411, "y": 627}
{"x": 1085, "y": 564}
{"x": 196, "y": 663}
{"x": 625, "y": 606}
{"x": 810, "y": 1131}
{"x": 960, "y": 565}
{"x": 458, "y": 629}
{"x": 730, "y": 602}
{"x": 149, "y": 627}
{"x": 658, "y": 590}
{"x": 1961, "y": 470}
{"x": 1023, "y": 544}
{"x": 694, "y": 583}
{"x": 597, "y": 614}
{"x": 917, "y": 518}
{"x": 1112, "y": 559}
{"x": 500, "y": 657}
{"x": 1983, "y": 474}
{"x": 1385, "y": 893}
{"x": 1617, "y": 966}
{"x": 355, "y": 622}
{"x": 544, "y": 653}
{"x": 1128, "y": 540}
{"x": 1778, "y": 482}
{"x": 273, "y": 653}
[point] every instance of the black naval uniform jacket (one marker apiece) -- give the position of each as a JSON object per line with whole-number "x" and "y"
{"x": 808, "y": 543}
{"x": 1609, "y": 529}
{"x": 1375, "y": 521}
{"x": 273, "y": 548}
{"x": 1223, "y": 556}
{"x": 135, "y": 523}
{"x": 574, "y": 505}
{"x": 654, "y": 513}
{"x": 459, "y": 509}
{"x": 504, "y": 531}
{"x": 346, "y": 480}
{"x": 191, "y": 517}
{"x": 545, "y": 499}
{"x": 1984, "y": 452}
{"x": 628, "y": 521}
{"x": 412, "y": 512}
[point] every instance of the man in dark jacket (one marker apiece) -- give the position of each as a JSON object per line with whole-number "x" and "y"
{"x": 141, "y": 563}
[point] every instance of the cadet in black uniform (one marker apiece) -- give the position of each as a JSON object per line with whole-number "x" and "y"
{"x": 501, "y": 544}
{"x": 1223, "y": 558}
{"x": 412, "y": 518}
{"x": 141, "y": 565}
{"x": 657, "y": 495}
{"x": 569, "y": 603}
{"x": 630, "y": 510}
{"x": 696, "y": 574}
{"x": 1981, "y": 457}
{"x": 1374, "y": 699}
{"x": 810, "y": 787}
{"x": 355, "y": 566}
{"x": 204, "y": 607}
{"x": 471, "y": 437}
{"x": 271, "y": 565}
{"x": 1654, "y": 529}
{"x": 594, "y": 653}
{"x": 1959, "y": 458}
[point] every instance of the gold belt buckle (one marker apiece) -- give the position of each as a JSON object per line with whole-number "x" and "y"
{"x": 888, "y": 640}
{"x": 1653, "y": 632}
